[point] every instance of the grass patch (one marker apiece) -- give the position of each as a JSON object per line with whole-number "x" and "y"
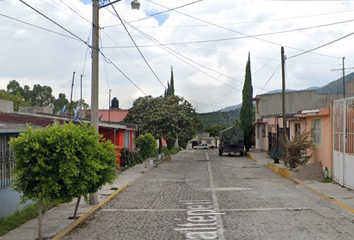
{"x": 327, "y": 180}
{"x": 20, "y": 217}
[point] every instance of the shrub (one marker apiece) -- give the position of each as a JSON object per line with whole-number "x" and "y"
{"x": 295, "y": 150}
{"x": 125, "y": 159}
{"x": 147, "y": 145}
{"x": 276, "y": 153}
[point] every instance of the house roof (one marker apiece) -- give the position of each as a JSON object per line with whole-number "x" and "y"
{"x": 16, "y": 122}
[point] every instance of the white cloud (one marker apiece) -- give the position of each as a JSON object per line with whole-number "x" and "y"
{"x": 34, "y": 56}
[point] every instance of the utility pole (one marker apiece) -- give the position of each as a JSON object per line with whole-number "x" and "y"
{"x": 228, "y": 117}
{"x": 95, "y": 64}
{"x": 343, "y": 77}
{"x": 94, "y": 76}
{"x": 71, "y": 95}
{"x": 283, "y": 92}
{"x": 95, "y": 68}
{"x": 81, "y": 96}
{"x": 109, "y": 107}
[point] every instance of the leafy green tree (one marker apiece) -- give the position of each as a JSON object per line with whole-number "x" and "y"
{"x": 27, "y": 93}
{"x": 246, "y": 113}
{"x": 214, "y": 130}
{"x": 42, "y": 96}
{"x": 61, "y": 162}
{"x": 164, "y": 117}
{"x": 14, "y": 88}
{"x": 147, "y": 145}
{"x": 60, "y": 102}
{"x": 16, "y": 99}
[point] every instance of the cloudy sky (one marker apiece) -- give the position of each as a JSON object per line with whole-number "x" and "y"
{"x": 206, "y": 42}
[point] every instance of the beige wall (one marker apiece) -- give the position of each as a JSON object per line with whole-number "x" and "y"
{"x": 6, "y": 106}
{"x": 271, "y": 104}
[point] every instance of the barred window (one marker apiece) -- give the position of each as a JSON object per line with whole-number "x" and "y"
{"x": 316, "y": 126}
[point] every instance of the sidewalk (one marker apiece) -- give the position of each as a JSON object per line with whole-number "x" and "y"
{"x": 56, "y": 222}
{"x": 333, "y": 192}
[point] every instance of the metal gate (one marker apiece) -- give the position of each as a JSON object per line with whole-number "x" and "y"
{"x": 343, "y": 142}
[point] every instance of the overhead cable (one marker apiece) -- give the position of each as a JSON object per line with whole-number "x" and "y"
{"x": 324, "y": 45}
{"x": 158, "y": 13}
{"x": 42, "y": 28}
{"x": 110, "y": 62}
{"x": 228, "y": 29}
{"x": 53, "y": 22}
{"x": 136, "y": 45}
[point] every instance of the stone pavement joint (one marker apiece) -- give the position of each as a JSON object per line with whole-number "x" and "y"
{"x": 333, "y": 192}
{"x": 56, "y": 223}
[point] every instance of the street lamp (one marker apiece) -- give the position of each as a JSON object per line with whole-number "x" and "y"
{"x": 95, "y": 66}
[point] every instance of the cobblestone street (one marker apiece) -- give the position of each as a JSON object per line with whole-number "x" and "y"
{"x": 199, "y": 195}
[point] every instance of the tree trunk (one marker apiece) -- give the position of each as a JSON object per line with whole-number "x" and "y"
{"x": 160, "y": 146}
{"x": 40, "y": 221}
{"x": 77, "y": 207}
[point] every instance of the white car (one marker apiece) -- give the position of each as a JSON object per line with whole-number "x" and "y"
{"x": 201, "y": 146}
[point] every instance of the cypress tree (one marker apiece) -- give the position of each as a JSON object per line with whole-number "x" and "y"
{"x": 170, "y": 91}
{"x": 246, "y": 113}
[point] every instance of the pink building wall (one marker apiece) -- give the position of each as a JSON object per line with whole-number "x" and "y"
{"x": 324, "y": 152}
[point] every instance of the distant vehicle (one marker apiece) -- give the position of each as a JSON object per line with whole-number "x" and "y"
{"x": 231, "y": 141}
{"x": 201, "y": 146}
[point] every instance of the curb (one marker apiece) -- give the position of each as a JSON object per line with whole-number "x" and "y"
{"x": 286, "y": 174}
{"x": 80, "y": 220}
{"x": 77, "y": 222}
{"x": 250, "y": 155}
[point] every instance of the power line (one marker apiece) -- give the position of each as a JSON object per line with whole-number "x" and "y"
{"x": 76, "y": 11}
{"x": 110, "y": 62}
{"x": 213, "y": 24}
{"x": 270, "y": 77}
{"x": 53, "y": 22}
{"x": 32, "y": 25}
{"x": 136, "y": 45}
{"x": 321, "y": 46}
{"x": 248, "y": 22}
{"x": 158, "y": 13}
{"x": 128, "y": 56}
{"x": 180, "y": 57}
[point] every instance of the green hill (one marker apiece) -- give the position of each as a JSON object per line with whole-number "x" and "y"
{"x": 336, "y": 87}
{"x": 219, "y": 118}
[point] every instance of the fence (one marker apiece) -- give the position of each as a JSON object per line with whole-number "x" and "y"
{"x": 7, "y": 163}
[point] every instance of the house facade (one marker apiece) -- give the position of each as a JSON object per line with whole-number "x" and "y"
{"x": 210, "y": 141}
{"x": 13, "y": 123}
{"x": 305, "y": 111}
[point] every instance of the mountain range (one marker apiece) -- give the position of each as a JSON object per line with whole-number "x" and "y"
{"x": 227, "y": 115}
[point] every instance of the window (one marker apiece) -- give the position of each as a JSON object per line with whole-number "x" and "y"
{"x": 134, "y": 137}
{"x": 316, "y": 127}
{"x": 126, "y": 139}
{"x": 263, "y": 130}
{"x": 297, "y": 128}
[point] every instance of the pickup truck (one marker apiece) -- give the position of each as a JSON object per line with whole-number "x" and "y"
{"x": 201, "y": 146}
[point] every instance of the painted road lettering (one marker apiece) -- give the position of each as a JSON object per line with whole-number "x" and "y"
{"x": 201, "y": 220}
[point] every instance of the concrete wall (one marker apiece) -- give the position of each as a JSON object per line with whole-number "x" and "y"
{"x": 6, "y": 106}
{"x": 10, "y": 202}
{"x": 271, "y": 104}
{"x": 35, "y": 109}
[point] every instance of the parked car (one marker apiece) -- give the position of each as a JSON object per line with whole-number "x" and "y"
{"x": 201, "y": 146}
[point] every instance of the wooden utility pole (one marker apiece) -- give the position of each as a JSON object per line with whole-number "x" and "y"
{"x": 283, "y": 92}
